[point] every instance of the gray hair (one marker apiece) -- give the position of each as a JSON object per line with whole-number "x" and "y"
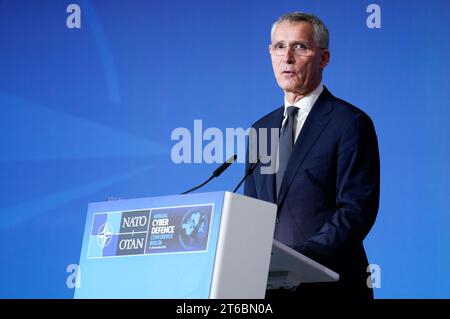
{"x": 321, "y": 34}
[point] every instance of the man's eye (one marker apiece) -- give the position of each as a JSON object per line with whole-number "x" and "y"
{"x": 280, "y": 46}
{"x": 300, "y": 46}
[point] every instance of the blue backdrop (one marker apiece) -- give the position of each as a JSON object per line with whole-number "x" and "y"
{"x": 87, "y": 114}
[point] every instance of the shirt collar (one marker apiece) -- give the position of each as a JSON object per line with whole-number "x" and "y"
{"x": 306, "y": 103}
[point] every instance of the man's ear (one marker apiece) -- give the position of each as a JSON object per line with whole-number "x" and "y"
{"x": 324, "y": 58}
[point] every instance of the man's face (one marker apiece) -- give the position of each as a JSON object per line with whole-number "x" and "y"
{"x": 298, "y": 74}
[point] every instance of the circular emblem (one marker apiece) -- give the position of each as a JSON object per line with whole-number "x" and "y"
{"x": 194, "y": 229}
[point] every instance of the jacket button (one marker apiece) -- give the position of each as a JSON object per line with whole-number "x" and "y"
{"x": 277, "y": 220}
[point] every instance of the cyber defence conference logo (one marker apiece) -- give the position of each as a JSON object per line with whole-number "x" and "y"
{"x": 151, "y": 231}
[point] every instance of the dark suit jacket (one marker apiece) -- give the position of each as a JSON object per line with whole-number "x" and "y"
{"x": 329, "y": 196}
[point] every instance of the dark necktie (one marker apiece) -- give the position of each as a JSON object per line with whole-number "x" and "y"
{"x": 285, "y": 145}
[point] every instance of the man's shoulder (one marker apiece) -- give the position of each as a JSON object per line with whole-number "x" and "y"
{"x": 342, "y": 111}
{"x": 270, "y": 119}
{"x": 346, "y": 110}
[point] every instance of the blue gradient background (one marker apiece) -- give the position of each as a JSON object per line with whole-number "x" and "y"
{"x": 87, "y": 114}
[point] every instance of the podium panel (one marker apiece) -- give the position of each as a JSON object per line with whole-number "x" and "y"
{"x": 289, "y": 268}
{"x": 207, "y": 245}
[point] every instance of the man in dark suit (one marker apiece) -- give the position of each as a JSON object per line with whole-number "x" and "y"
{"x": 328, "y": 178}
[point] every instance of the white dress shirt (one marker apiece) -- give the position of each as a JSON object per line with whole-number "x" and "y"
{"x": 305, "y": 105}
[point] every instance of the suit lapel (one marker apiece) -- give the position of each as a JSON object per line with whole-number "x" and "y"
{"x": 314, "y": 125}
{"x": 268, "y": 180}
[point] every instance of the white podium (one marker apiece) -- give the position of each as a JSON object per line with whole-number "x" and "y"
{"x": 203, "y": 245}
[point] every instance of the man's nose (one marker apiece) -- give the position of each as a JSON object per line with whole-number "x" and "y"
{"x": 289, "y": 56}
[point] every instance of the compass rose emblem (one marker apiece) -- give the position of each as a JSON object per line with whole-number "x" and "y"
{"x": 104, "y": 235}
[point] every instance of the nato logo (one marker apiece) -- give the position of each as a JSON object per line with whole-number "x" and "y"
{"x": 104, "y": 235}
{"x": 118, "y": 233}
